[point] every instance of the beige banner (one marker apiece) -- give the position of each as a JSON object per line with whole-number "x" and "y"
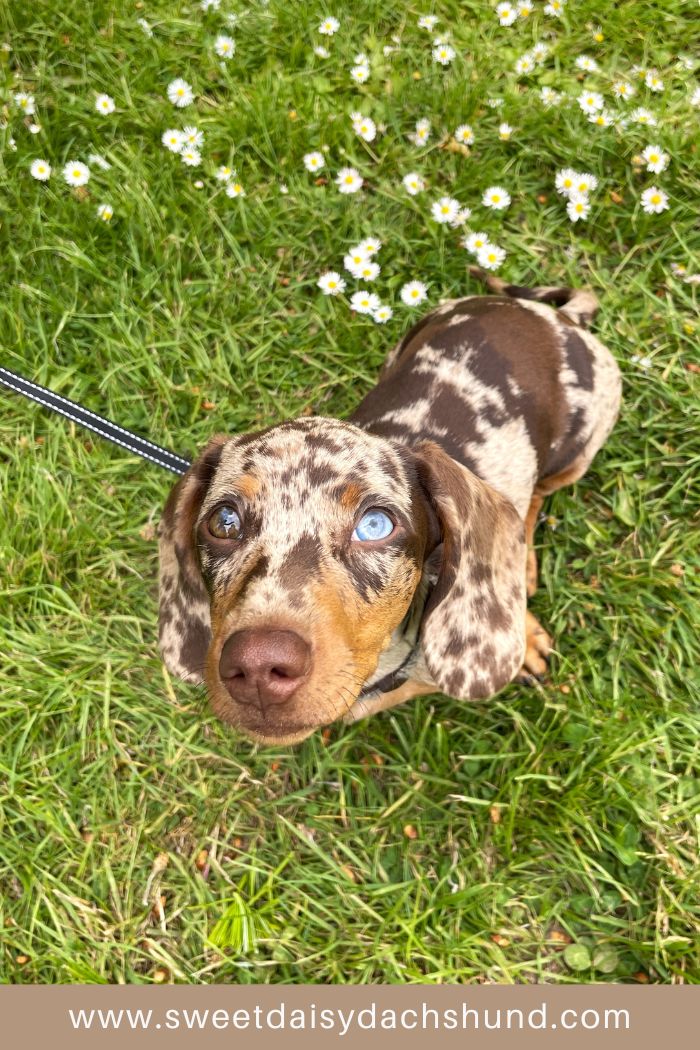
{"x": 491, "y": 1017}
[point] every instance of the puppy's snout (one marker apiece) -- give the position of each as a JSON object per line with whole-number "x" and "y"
{"x": 260, "y": 666}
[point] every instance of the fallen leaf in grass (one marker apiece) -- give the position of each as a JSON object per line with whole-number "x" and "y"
{"x": 148, "y": 532}
{"x": 161, "y": 975}
{"x": 577, "y": 957}
{"x": 500, "y": 940}
{"x": 201, "y": 859}
{"x": 559, "y": 937}
{"x": 22, "y": 960}
{"x": 410, "y": 832}
{"x": 208, "y": 405}
{"x": 640, "y": 977}
{"x": 677, "y": 569}
{"x": 616, "y": 198}
{"x": 495, "y": 814}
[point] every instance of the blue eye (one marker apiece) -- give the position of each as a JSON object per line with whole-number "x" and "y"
{"x": 374, "y": 525}
{"x": 225, "y": 523}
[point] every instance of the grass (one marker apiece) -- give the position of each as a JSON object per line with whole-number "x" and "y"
{"x": 440, "y": 842}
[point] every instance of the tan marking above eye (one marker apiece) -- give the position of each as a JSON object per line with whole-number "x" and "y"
{"x": 351, "y": 496}
{"x": 248, "y": 486}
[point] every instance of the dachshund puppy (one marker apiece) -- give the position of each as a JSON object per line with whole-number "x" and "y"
{"x": 322, "y": 569}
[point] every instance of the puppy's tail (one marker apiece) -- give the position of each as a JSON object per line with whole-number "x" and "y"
{"x": 578, "y": 304}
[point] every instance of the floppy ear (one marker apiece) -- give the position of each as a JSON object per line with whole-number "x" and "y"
{"x": 473, "y": 626}
{"x": 184, "y": 625}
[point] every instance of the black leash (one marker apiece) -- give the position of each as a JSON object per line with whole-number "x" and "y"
{"x": 140, "y": 446}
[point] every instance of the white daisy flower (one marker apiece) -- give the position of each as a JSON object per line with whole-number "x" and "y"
{"x": 105, "y": 212}
{"x": 360, "y": 74}
{"x": 654, "y": 200}
{"x": 443, "y": 54}
{"x": 370, "y": 245}
{"x": 192, "y": 136}
{"x": 525, "y": 64}
{"x": 504, "y": 132}
{"x": 180, "y": 93}
{"x": 331, "y": 283}
{"x": 623, "y": 90}
{"x": 474, "y": 242}
{"x": 413, "y": 183}
{"x": 525, "y": 9}
{"x": 653, "y": 81}
{"x": 588, "y": 64}
{"x": 25, "y": 102}
{"x": 364, "y": 127}
{"x": 41, "y": 170}
{"x": 428, "y": 22}
{"x": 549, "y": 97}
{"x": 364, "y": 302}
{"x": 234, "y": 189}
{"x": 539, "y": 52}
{"x": 191, "y": 156}
{"x": 382, "y": 314}
{"x": 224, "y": 173}
{"x": 348, "y": 180}
{"x": 321, "y": 52}
{"x": 105, "y": 104}
{"x": 173, "y": 140}
{"x": 585, "y": 183}
{"x": 603, "y": 118}
{"x": 75, "y": 173}
{"x": 565, "y": 181}
{"x": 506, "y": 14}
{"x": 413, "y": 293}
{"x": 695, "y": 97}
{"x": 210, "y": 5}
{"x": 496, "y": 197}
{"x": 354, "y": 258}
{"x": 314, "y": 161}
{"x": 494, "y": 103}
{"x": 643, "y": 116}
{"x": 98, "y": 161}
{"x": 555, "y": 8}
{"x": 578, "y": 206}
{"x": 445, "y": 210}
{"x": 225, "y": 46}
{"x": 366, "y": 271}
{"x": 490, "y": 256}
{"x": 422, "y": 132}
{"x": 34, "y": 129}
{"x": 590, "y": 101}
{"x": 655, "y": 158}
{"x": 463, "y": 215}
{"x": 465, "y": 134}
{"x": 329, "y": 26}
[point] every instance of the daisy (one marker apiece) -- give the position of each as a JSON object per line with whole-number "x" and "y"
{"x": 75, "y": 173}
{"x": 490, "y": 256}
{"x": 364, "y": 302}
{"x": 192, "y": 136}
{"x": 496, "y": 197}
{"x": 321, "y": 52}
{"x": 224, "y": 46}
{"x": 360, "y": 74}
{"x": 34, "y": 129}
{"x": 463, "y": 215}
{"x": 554, "y": 8}
{"x": 382, "y": 314}
{"x": 653, "y": 81}
{"x": 370, "y": 245}
{"x": 525, "y": 9}
{"x": 506, "y": 14}
{"x": 348, "y": 180}
{"x": 588, "y": 64}
{"x": 329, "y": 26}
{"x": 603, "y": 118}
{"x": 525, "y": 64}
{"x": 413, "y": 183}
{"x": 105, "y": 104}
{"x": 475, "y": 242}
{"x": 565, "y": 181}
{"x": 105, "y": 212}
{"x": 331, "y": 283}
{"x": 655, "y": 158}
{"x": 99, "y": 161}
{"x": 695, "y": 97}
{"x": 427, "y": 22}
{"x": 422, "y": 132}
{"x": 40, "y": 169}
{"x": 180, "y": 93}
{"x": 585, "y": 183}
{"x": 445, "y": 210}
{"x": 354, "y": 258}
{"x": 25, "y": 103}
{"x": 234, "y": 189}
{"x": 539, "y": 52}
{"x": 654, "y": 200}
{"x": 413, "y": 293}
{"x": 367, "y": 270}
{"x": 314, "y": 161}
{"x": 590, "y": 101}
{"x": 443, "y": 54}
{"x": 622, "y": 90}
{"x": 191, "y": 156}
{"x": 464, "y": 134}
{"x": 504, "y": 132}
{"x": 364, "y": 127}
{"x": 210, "y": 5}
{"x": 224, "y": 173}
{"x": 549, "y": 97}
{"x": 643, "y": 116}
{"x": 578, "y": 207}
{"x": 173, "y": 140}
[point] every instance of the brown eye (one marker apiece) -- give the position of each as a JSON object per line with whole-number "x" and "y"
{"x": 225, "y": 523}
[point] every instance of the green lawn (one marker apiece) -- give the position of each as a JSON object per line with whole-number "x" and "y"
{"x": 440, "y": 842}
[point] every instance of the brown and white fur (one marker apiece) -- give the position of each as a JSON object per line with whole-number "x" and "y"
{"x": 487, "y": 405}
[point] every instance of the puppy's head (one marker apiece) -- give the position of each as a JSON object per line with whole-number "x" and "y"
{"x": 288, "y": 558}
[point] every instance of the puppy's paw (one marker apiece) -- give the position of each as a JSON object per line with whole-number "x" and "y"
{"x": 538, "y": 646}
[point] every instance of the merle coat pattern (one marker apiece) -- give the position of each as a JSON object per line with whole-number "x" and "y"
{"x": 487, "y": 404}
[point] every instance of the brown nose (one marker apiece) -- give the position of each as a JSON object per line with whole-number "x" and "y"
{"x": 262, "y": 667}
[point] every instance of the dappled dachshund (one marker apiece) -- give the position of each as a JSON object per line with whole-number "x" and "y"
{"x": 322, "y": 569}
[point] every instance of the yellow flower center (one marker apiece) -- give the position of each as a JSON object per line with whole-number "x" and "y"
{"x": 655, "y": 198}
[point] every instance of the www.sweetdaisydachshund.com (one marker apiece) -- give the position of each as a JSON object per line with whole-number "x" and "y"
{"x": 346, "y": 542}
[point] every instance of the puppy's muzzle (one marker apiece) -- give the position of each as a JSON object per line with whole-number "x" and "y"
{"x": 264, "y": 667}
